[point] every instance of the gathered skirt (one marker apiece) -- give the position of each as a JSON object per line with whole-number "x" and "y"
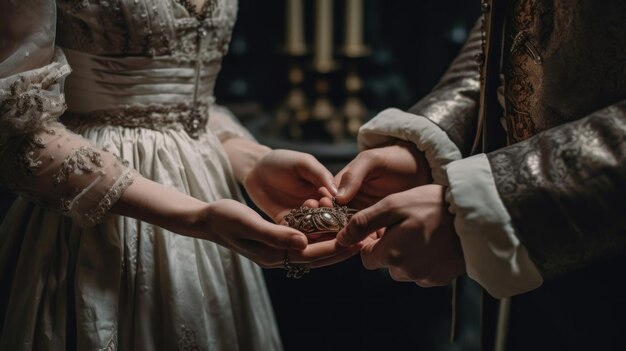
{"x": 127, "y": 284}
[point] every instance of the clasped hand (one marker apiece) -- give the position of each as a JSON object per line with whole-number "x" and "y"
{"x": 404, "y": 224}
{"x": 277, "y": 181}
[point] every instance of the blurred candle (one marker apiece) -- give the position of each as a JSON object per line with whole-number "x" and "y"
{"x": 323, "y": 59}
{"x": 295, "y": 44}
{"x": 354, "y": 27}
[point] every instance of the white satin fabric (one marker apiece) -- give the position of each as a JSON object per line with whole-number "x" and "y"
{"x": 122, "y": 284}
{"x": 107, "y": 83}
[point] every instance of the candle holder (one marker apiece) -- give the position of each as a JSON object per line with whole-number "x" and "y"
{"x": 325, "y": 66}
{"x": 294, "y": 112}
{"x": 353, "y": 109}
{"x": 323, "y": 110}
{"x": 324, "y": 118}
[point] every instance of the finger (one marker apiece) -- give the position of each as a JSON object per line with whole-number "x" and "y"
{"x": 338, "y": 176}
{"x": 312, "y": 203}
{"x": 323, "y": 192}
{"x": 319, "y": 250}
{"x": 367, "y": 221}
{"x": 276, "y": 236}
{"x": 399, "y": 275}
{"x": 388, "y": 253}
{"x": 370, "y": 255}
{"x": 425, "y": 283}
{"x": 334, "y": 259}
{"x": 326, "y": 202}
{"x": 363, "y": 200}
{"x": 263, "y": 255}
{"x": 314, "y": 172}
{"x": 351, "y": 178}
{"x": 369, "y": 240}
{"x": 380, "y": 232}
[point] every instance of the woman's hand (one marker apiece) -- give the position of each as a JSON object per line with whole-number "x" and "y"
{"x": 278, "y": 180}
{"x": 228, "y": 223}
{"x": 239, "y": 228}
{"x": 283, "y": 180}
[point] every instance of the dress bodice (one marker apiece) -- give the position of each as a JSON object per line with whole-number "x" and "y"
{"x": 143, "y": 63}
{"x": 146, "y": 28}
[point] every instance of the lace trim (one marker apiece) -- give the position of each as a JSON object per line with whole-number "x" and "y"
{"x": 19, "y": 153}
{"x": 181, "y": 116}
{"x": 111, "y": 345}
{"x": 187, "y": 340}
{"x": 96, "y": 215}
{"x": 78, "y": 162}
{"x": 27, "y": 157}
{"x": 29, "y": 103}
{"x": 206, "y": 10}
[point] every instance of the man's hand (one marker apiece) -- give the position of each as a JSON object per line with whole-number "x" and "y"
{"x": 418, "y": 243}
{"x": 379, "y": 172}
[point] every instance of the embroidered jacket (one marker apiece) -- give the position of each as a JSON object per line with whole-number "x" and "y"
{"x": 558, "y": 155}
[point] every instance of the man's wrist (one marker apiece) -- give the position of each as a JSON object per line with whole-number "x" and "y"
{"x": 424, "y": 173}
{"x": 423, "y": 168}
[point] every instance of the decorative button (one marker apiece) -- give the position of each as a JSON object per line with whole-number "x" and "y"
{"x": 479, "y": 58}
{"x": 484, "y": 7}
{"x": 194, "y": 123}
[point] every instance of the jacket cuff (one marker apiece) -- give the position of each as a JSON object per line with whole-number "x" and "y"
{"x": 392, "y": 124}
{"x": 494, "y": 255}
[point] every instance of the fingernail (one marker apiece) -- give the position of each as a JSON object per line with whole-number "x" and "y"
{"x": 341, "y": 191}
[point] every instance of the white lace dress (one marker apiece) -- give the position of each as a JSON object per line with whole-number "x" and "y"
{"x": 138, "y": 101}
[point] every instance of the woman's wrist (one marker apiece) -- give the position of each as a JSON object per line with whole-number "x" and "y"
{"x": 244, "y": 154}
{"x": 166, "y": 207}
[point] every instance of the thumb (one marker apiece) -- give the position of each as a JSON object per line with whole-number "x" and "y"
{"x": 315, "y": 173}
{"x": 351, "y": 179}
{"x": 365, "y": 222}
{"x": 368, "y": 255}
{"x": 278, "y": 236}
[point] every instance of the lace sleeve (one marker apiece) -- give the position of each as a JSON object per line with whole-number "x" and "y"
{"x": 39, "y": 158}
{"x": 61, "y": 170}
{"x": 225, "y": 125}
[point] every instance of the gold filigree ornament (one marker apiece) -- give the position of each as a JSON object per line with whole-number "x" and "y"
{"x": 321, "y": 220}
{"x": 318, "y": 224}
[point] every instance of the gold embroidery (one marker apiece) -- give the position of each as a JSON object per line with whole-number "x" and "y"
{"x": 519, "y": 86}
{"x": 181, "y": 116}
{"x": 78, "y": 162}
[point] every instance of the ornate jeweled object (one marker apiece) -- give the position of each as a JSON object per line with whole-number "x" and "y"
{"x": 319, "y": 221}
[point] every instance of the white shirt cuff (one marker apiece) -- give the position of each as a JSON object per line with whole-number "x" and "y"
{"x": 494, "y": 256}
{"x": 393, "y": 124}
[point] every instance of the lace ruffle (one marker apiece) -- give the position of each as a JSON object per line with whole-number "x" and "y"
{"x": 33, "y": 99}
